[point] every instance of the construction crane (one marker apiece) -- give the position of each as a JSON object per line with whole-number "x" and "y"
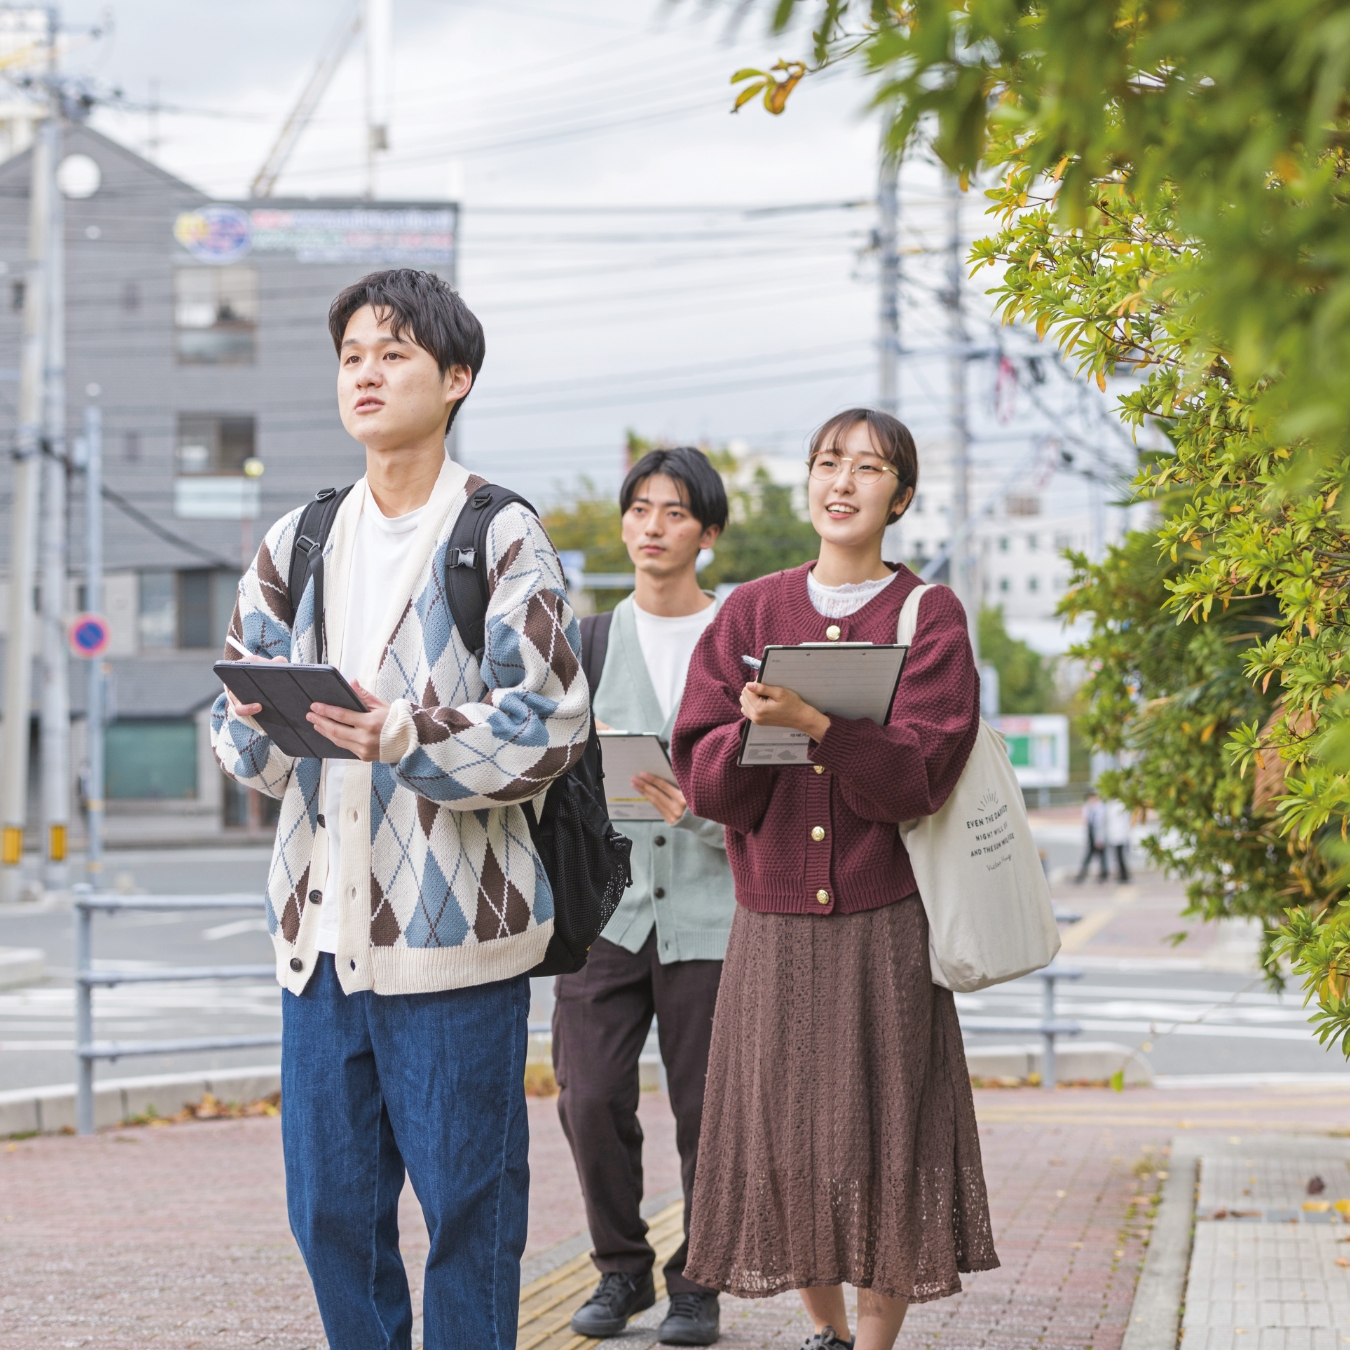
{"x": 372, "y": 16}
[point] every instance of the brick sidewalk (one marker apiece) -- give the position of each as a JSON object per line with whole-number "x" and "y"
{"x": 178, "y": 1236}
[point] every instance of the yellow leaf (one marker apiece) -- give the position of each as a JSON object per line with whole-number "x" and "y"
{"x": 1041, "y": 325}
{"x": 747, "y": 94}
{"x": 1101, "y": 381}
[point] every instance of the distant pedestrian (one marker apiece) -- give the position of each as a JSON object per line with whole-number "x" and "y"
{"x": 839, "y": 1139}
{"x": 1094, "y": 824}
{"x": 405, "y": 898}
{"x": 1117, "y": 837}
{"x": 662, "y": 951}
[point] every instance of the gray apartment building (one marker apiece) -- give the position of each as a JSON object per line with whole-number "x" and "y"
{"x": 199, "y": 327}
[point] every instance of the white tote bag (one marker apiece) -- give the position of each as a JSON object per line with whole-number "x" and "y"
{"x": 977, "y": 867}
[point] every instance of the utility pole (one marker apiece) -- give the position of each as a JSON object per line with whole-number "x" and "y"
{"x": 54, "y": 570}
{"x": 55, "y": 704}
{"x": 379, "y": 39}
{"x": 888, "y": 252}
{"x": 93, "y": 602}
{"x": 24, "y": 527}
{"x": 963, "y": 578}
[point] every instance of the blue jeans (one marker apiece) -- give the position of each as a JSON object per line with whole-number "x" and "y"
{"x": 372, "y": 1084}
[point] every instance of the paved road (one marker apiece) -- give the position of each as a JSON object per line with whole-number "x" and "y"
{"x": 1192, "y": 1012}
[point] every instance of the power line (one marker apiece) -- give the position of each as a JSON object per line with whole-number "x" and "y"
{"x": 155, "y": 528}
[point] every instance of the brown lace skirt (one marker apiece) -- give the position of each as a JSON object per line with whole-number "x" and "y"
{"x": 838, "y": 1142}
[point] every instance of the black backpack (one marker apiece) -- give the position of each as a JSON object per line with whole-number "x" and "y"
{"x": 585, "y": 857}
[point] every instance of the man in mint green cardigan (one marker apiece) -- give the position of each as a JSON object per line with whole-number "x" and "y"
{"x": 661, "y": 953}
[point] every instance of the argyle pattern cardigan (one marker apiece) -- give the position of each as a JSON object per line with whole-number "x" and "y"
{"x": 440, "y": 884}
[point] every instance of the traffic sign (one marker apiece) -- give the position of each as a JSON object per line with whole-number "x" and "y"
{"x": 89, "y": 635}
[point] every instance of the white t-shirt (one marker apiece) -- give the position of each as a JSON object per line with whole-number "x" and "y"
{"x": 379, "y": 549}
{"x": 667, "y": 645}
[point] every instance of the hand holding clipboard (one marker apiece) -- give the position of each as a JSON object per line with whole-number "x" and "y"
{"x": 797, "y": 689}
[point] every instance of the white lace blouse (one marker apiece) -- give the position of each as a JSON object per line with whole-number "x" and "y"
{"x": 838, "y": 602}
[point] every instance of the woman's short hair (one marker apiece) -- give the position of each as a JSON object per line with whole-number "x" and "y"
{"x": 703, "y": 491}
{"x": 891, "y": 439}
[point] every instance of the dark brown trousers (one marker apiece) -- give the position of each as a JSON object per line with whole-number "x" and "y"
{"x": 601, "y": 1017}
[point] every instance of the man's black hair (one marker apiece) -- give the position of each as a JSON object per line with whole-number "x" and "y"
{"x": 422, "y": 308}
{"x": 703, "y": 491}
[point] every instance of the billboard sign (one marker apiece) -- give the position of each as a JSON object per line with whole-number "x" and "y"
{"x": 366, "y": 235}
{"x": 1038, "y": 747}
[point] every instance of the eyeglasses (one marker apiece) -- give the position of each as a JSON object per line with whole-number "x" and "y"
{"x": 824, "y": 468}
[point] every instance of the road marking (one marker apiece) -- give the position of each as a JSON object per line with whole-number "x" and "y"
{"x": 226, "y": 930}
{"x": 1079, "y": 934}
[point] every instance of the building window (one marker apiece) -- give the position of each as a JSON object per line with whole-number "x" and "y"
{"x": 1063, "y": 541}
{"x": 1003, "y": 583}
{"x": 131, "y": 297}
{"x": 131, "y": 447}
{"x": 157, "y": 620}
{"x": 1003, "y": 543}
{"x": 205, "y": 604}
{"x": 215, "y": 315}
{"x": 1023, "y": 505}
{"x": 151, "y": 759}
{"x": 211, "y": 444}
{"x": 186, "y": 610}
{"x": 1033, "y": 583}
{"x": 1033, "y": 543}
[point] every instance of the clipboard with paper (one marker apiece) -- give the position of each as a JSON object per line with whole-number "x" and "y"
{"x": 841, "y": 679}
{"x": 624, "y": 755}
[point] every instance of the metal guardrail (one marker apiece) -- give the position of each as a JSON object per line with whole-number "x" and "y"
{"x": 1048, "y": 1028}
{"x": 87, "y": 903}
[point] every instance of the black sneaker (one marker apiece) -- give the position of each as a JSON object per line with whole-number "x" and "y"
{"x": 617, "y": 1297}
{"x": 693, "y": 1319}
{"x": 826, "y": 1340}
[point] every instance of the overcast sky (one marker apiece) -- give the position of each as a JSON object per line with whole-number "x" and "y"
{"x": 611, "y": 242}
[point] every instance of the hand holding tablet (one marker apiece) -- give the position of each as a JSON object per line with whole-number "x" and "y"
{"x": 310, "y": 711}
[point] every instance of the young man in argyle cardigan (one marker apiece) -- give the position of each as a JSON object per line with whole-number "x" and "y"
{"x": 405, "y": 900}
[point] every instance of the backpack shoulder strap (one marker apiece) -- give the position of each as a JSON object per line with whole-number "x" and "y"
{"x": 311, "y": 534}
{"x": 909, "y": 616}
{"x": 466, "y": 561}
{"x": 594, "y": 645}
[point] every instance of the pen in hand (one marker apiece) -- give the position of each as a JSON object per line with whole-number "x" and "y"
{"x": 754, "y": 665}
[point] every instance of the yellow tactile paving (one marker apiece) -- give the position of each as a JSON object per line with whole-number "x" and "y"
{"x": 547, "y": 1304}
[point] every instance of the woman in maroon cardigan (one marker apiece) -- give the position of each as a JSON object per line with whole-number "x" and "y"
{"x": 838, "y": 1142}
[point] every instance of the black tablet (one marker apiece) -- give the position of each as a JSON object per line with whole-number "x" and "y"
{"x": 285, "y": 692}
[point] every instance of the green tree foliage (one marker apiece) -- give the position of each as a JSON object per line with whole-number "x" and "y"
{"x": 765, "y": 534}
{"x": 1165, "y": 698}
{"x": 588, "y": 521}
{"x": 1026, "y": 683}
{"x": 1172, "y": 202}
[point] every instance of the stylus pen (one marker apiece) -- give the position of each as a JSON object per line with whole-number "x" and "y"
{"x": 752, "y": 663}
{"x": 243, "y": 651}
